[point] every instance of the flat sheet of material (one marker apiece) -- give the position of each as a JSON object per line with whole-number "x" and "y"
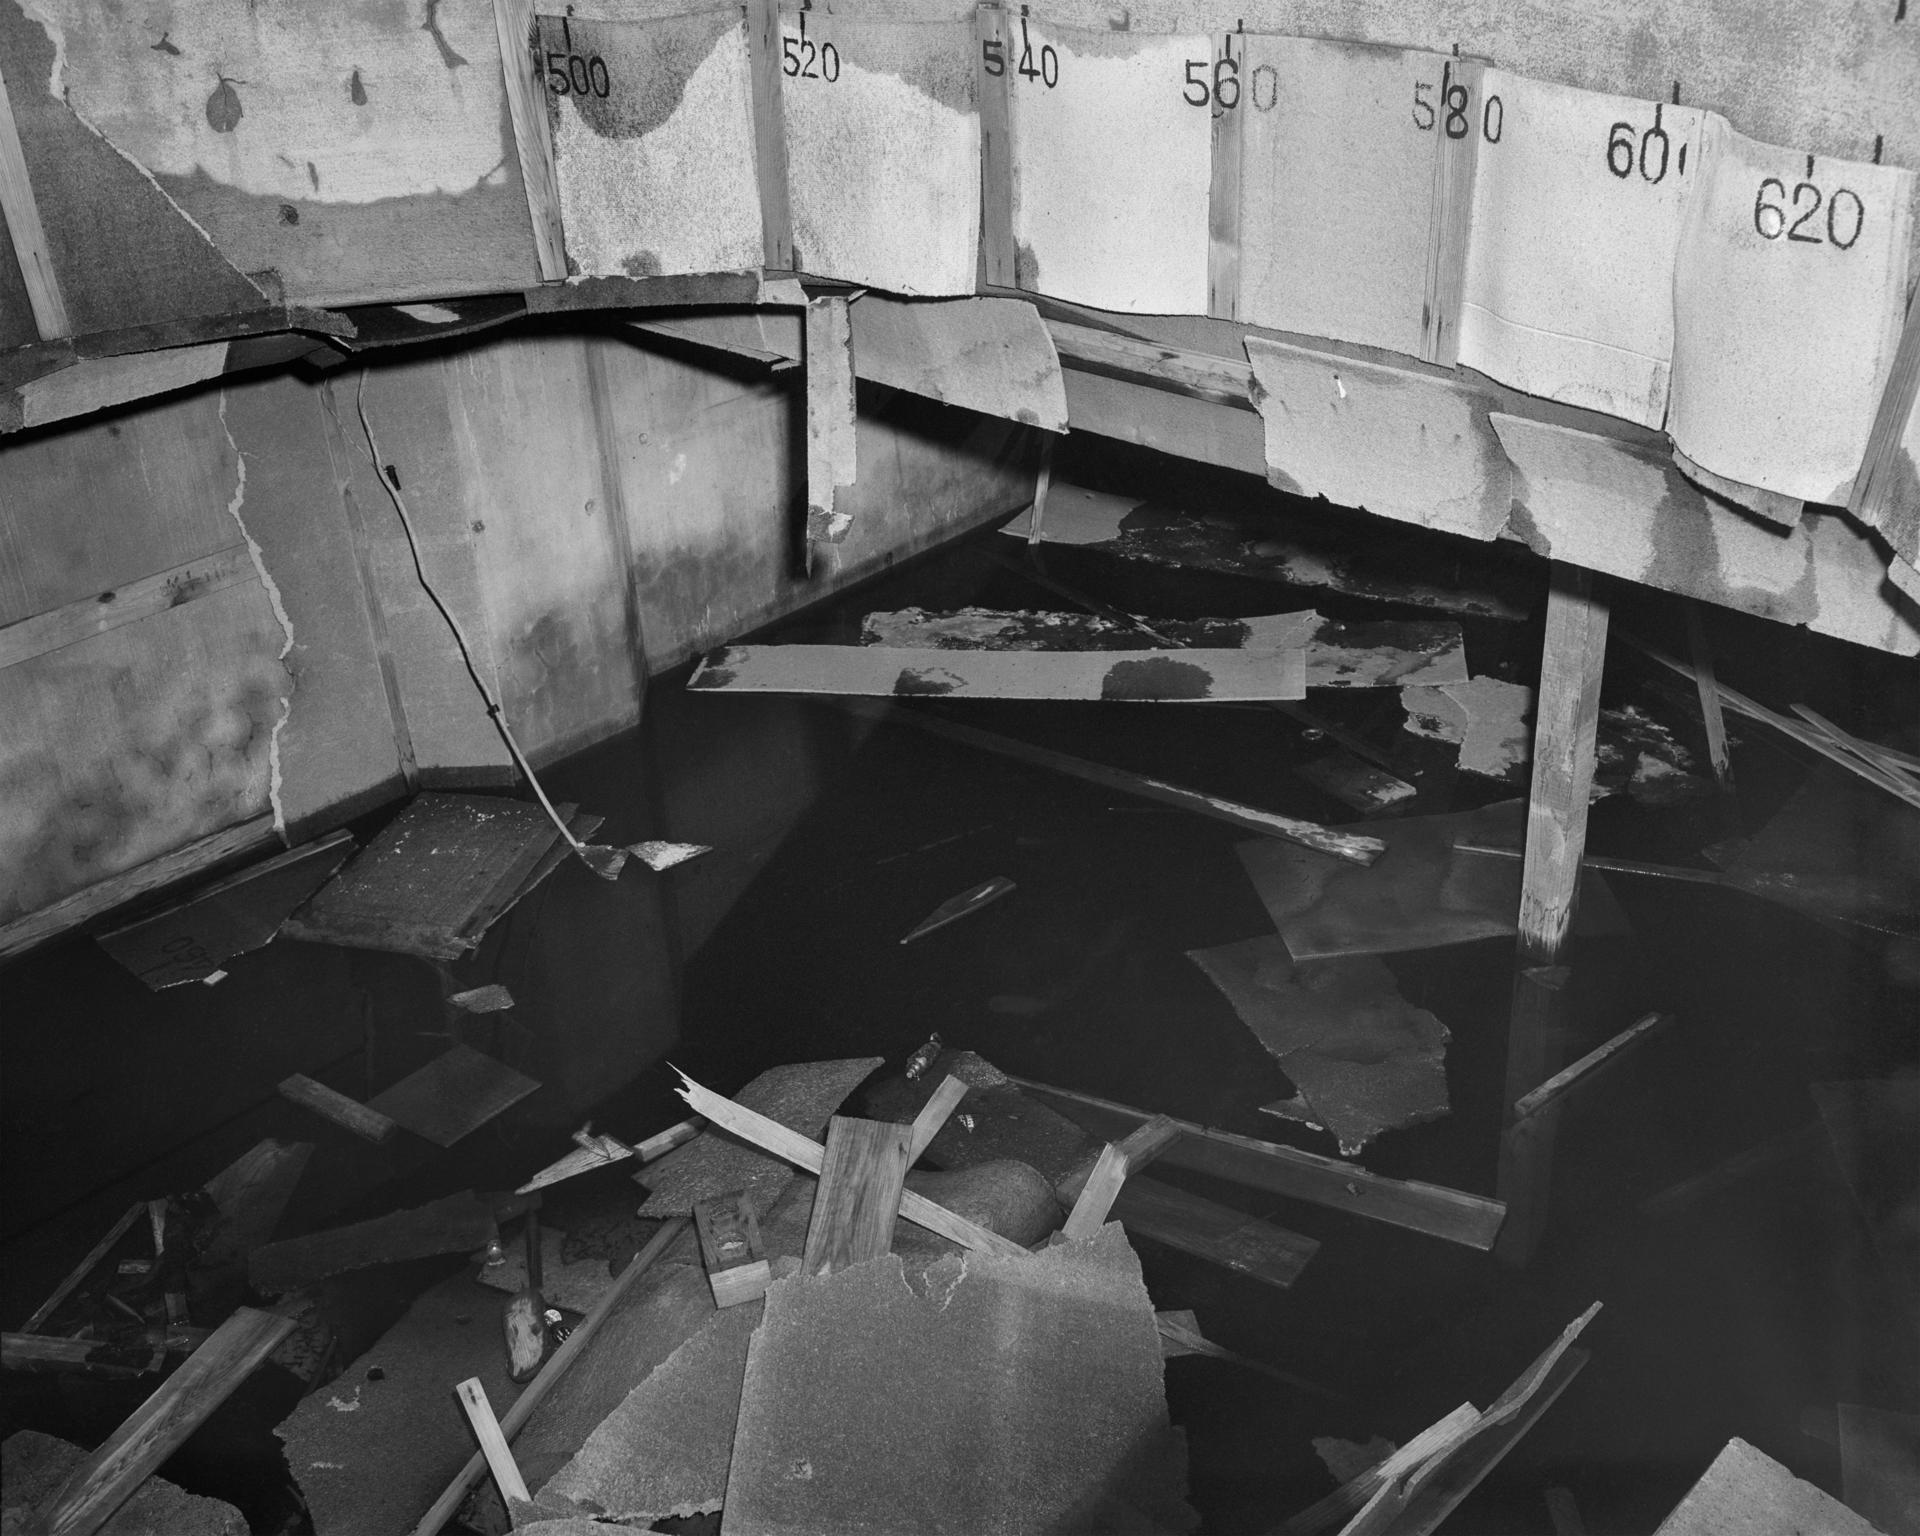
{"x": 1338, "y": 143}
{"x": 1420, "y": 894}
{"x": 1143, "y": 676}
{"x": 1111, "y": 168}
{"x": 1486, "y": 715}
{"x": 1363, "y": 1058}
{"x": 655, "y": 158}
{"x": 995, "y": 356}
{"x": 883, "y": 150}
{"x": 1788, "y": 299}
{"x": 1578, "y": 203}
{"x": 1398, "y": 443}
{"x": 33, "y": 1466}
{"x": 872, "y": 1406}
{"x": 1752, "y": 1494}
{"x": 453, "y": 1095}
{"x": 801, "y": 1096}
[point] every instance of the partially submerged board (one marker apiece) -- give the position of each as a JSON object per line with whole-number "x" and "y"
{"x": 453, "y": 1095}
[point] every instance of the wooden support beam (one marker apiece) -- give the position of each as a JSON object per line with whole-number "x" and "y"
{"x": 769, "y": 133}
{"x": 1350, "y": 1497}
{"x": 1587, "y": 1066}
{"x": 996, "y": 149}
{"x": 1094, "y": 1193}
{"x": 160, "y": 1425}
{"x": 527, "y": 107}
{"x": 441, "y": 1511}
{"x": 347, "y": 1113}
{"x": 1565, "y": 721}
{"x": 493, "y": 1444}
{"x": 1883, "y": 489}
{"x": 933, "y": 1115}
{"x": 96, "y": 614}
{"x": 1711, "y": 715}
{"x": 1182, "y": 370}
{"x": 1472, "y": 1220}
{"x": 21, "y": 213}
{"x": 453, "y": 1224}
{"x": 831, "y": 434}
{"x": 861, "y": 1180}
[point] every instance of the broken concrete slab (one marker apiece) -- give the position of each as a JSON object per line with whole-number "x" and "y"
{"x": 869, "y": 1405}
{"x": 1420, "y": 894}
{"x": 375, "y": 1447}
{"x": 802, "y": 1096}
{"x": 33, "y": 1466}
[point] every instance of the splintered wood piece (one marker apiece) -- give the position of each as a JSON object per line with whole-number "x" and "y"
{"x": 1099, "y": 1189}
{"x": 1712, "y": 718}
{"x": 933, "y": 1115}
{"x": 831, "y": 433}
{"x": 730, "y": 1245}
{"x": 1352, "y": 1496}
{"x": 810, "y": 1155}
{"x": 108, "y": 1477}
{"x": 337, "y": 1107}
{"x": 453, "y": 1095}
{"x": 493, "y": 1444}
{"x": 663, "y": 1142}
{"x": 861, "y": 1180}
{"x": 964, "y": 905}
{"x": 1449, "y": 1213}
{"x": 1598, "y": 1057}
{"x": 95, "y": 1254}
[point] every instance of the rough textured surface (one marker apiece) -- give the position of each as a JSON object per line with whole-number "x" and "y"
{"x": 1486, "y": 716}
{"x": 453, "y": 1095}
{"x": 577, "y": 1284}
{"x": 1006, "y": 1196}
{"x": 1419, "y": 894}
{"x": 801, "y": 1097}
{"x": 371, "y": 1452}
{"x": 995, "y": 1120}
{"x": 1363, "y": 1058}
{"x": 1747, "y": 1494}
{"x": 870, "y": 1406}
{"x": 33, "y": 1465}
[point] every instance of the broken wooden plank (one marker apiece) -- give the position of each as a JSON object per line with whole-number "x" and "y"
{"x": 455, "y": 1224}
{"x": 493, "y": 1444}
{"x": 109, "y": 1476}
{"x": 964, "y": 905}
{"x": 1209, "y": 1230}
{"x": 1351, "y": 846}
{"x": 556, "y": 1367}
{"x": 1416, "y": 1502}
{"x": 20, "y": 212}
{"x": 1352, "y": 1496}
{"x": 337, "y": 1107}
{"x": 95, "y": 614}
{"x": 810, "y": 1155}
{"x": 80, "y": 1271}
{"x": 251, "y": 1195}
{"x": 1596, "y": 1058}
{"x": 434, "y": 879}
{"x": 91, "y": 1357}
{"x": 862, "y": 1177}
{"x": 1472, "y": 1220}
{"x": 517, "y": 32}
{"x": 1746, "y": 1492}
{"x": 926, "y": 1124}
{"x": 192, "y": 939}
{"x": 831, "y": 438}
{"x": 731, "y": 1249}
{"x": 1136, "y": 676}
{"x": 453, "y": 1095}
{"x": 1093, "y": 1194}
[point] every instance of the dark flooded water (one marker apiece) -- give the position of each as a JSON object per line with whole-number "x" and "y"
{"x": 1751, "y": 1311}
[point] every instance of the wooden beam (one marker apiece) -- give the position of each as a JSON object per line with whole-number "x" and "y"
{"x": 1712, "y": 719}
{"x": 831, "y": 435}
{"x": 1208, "y": 1230}
{"x": 1452, "y": 217}
{"x": 1472, "y": 1220}
{"x": 442, "y": 1508}
{"x": 933, "y": 1115}
{"x": 1352, "y": 846}
{"x": 1349, "y": 1498}
{"x": 769, "y": 133}
{"x": 994, "y": 77}
{"x": 95, "y": 1254}
{"x": 810, "y": 1155}
{"x": 861, "y": 1180}
{"x": 350, "y": 1114}
{"x": 96, "y": 900}
{"x": 86, "y": 617}
{"x": 1200, "y": 375}
{"x": 1094, "y": 1193}
{"x": 730, "y": 1247}
{"x": 526, "y": 105}
{"x": 1223, "y": 198}
{"x": 160, "y": 1425}
{"x": 22, "y": 216}
{"x": 493, "y": 1444}
{"x": 1882, "y": 490}
{"x": 1587, "y": 1065}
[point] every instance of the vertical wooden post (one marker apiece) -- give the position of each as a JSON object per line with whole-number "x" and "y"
{"x": 770, "y": 133}
{"x": 514, "y": 23}
{"x": 22, "y": 215}
{"x": 1711, "y": 715}
{"x": 831, "y": 428}
{"x": 996, "y": 150}
{"x": 1566, "y": 716}
{"x": 1223, "y": 197}
{"x": 1455, "y": 161}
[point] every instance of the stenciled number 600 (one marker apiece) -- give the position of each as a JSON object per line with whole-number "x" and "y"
{"x": 1770, "y": 214}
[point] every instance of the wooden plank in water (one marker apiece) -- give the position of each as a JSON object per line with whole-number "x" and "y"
{"x": 354, "y": 1116}
{"x": 457, "y": 1224}
{"x": 1212, "y": 1231}
{"x": 933, "y": 1115}
{"x": 861, "y": 1181}
{"x": 108, "y": 1477}
{"x": 1146, "y": 676}
{"x": 453, "y": 1095}
{"x": 1472, "y": 1220}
